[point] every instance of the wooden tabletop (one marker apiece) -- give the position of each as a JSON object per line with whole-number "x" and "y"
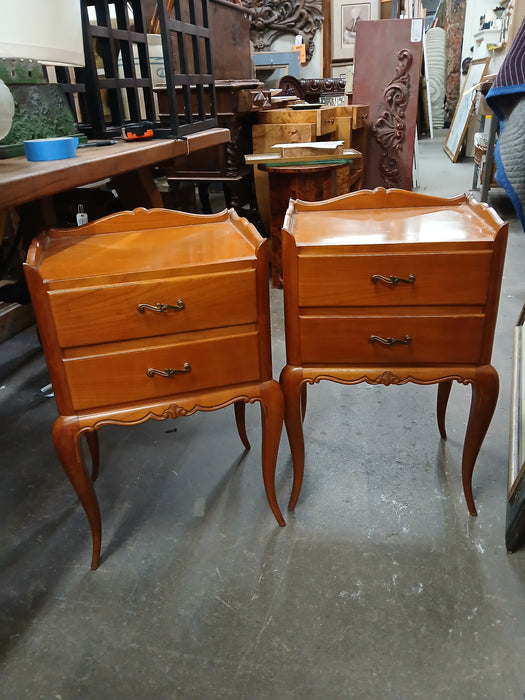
{"x": 23, "y": 181}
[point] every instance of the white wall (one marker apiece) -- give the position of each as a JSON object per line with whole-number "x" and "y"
{"x": 474, "y": 10}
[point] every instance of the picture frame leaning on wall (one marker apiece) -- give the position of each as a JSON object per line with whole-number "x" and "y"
{"x": 464, "y": 108}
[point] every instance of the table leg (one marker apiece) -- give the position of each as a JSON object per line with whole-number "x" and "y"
{"x": 442, "y": 401}
{"x": 240, "y": 420}
{"x": 485, "y": 390}
{"x": 294, "y": 403}
{"x": 303, "y": 402}
{"x": 137, "y": 189}
{"x": 92, "y": 441}
{"x": 66, "y": 433}
{"x": 204, "y": 196}
{"x": 272, "y": 412}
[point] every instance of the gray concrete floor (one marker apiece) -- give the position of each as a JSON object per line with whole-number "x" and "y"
{"x": 380, "y": 586}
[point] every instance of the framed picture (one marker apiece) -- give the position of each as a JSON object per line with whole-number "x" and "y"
{"x": 271, "y": 66}
{"x": 464, "y": 107}
{"x": 346, "y": 15}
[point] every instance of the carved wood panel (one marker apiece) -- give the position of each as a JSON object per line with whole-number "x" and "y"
{"x": 270, "y": 19}
{"x": 386, "y": 77}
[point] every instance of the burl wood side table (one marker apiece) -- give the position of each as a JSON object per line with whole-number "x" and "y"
{"x": 390, "y": 287}
{"x": 307, "y": 182}
{"x": 153, "y": 314}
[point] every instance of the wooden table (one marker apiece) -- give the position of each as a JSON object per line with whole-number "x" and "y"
{"x": 127, "y": 164}
{"x": 390, "y": 287}
{"x": 170, "y": 316}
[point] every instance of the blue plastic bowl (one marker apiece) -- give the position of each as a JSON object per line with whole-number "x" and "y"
{"x": 51, "y": 149}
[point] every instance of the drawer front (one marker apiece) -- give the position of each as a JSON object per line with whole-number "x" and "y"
{"x": 325, "y": 121}
{"x": 106, "y": 314}
{"x": 121, "y": 377}
{"x": 323, "y": 118}
{"x": 440, "y": 279}
{"x": 433, "y": 339}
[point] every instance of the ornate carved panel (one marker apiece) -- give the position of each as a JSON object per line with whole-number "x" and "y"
{"x": 389, "y": 128}
{"x": 269, "y": 19}
{"x": 388, "y": 55}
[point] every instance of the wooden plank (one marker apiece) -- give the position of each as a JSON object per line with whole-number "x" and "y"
{"x": 317, "y": 157}
{"x": 300, "y": 150}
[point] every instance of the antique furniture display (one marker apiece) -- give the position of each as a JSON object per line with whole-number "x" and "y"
{"x": 289, "y": 125}
{"x": 390, "y": 287}
{"x": 388, "y": 80}
{"x": 153, "y": 314}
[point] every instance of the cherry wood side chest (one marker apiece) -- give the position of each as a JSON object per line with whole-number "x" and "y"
{"x": 390, "y": 287}
{"x": 153, "y": 314}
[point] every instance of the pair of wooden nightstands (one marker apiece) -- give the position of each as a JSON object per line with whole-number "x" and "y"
{"x": 159, "y": 314}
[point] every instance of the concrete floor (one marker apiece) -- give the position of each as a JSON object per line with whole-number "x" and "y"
{"x": 380, "y": 586}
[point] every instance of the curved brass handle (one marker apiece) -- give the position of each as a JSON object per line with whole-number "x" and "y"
{"x": 392, "y": 279}
{"x": 390, "y": 341}
{"x": 163, "y": 308}
{"x": 168, "y": 372}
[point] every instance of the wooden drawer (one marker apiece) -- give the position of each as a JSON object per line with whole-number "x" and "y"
{"x": 323, "y": 118}
{"x": 434, "y": 339}
{"x": 105, "y": 314}
{"x": 440, "y": 279}
{"x": 119, "y": 375}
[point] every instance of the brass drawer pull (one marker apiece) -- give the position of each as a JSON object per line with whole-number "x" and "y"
{"x": 163, "y": 308}
{"x": 392, "y": 279}
{"x": 390, "y": 341}
{"x": 168, "y": 372}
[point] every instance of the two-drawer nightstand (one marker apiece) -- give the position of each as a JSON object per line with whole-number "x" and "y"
{"x": 389, "y": 287}
{"x": 153, "y": 314}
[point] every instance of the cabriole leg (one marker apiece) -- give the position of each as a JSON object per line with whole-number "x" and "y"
{"x": 485, "y": 390}
{"x": 294, "y": 402}
{"x": 66, "y": 433}
{"x": 442, "y": 402}
{"x": 272, "y": 411}
{"x": 92, "y": 441}
{"x": 240, "y": 420}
